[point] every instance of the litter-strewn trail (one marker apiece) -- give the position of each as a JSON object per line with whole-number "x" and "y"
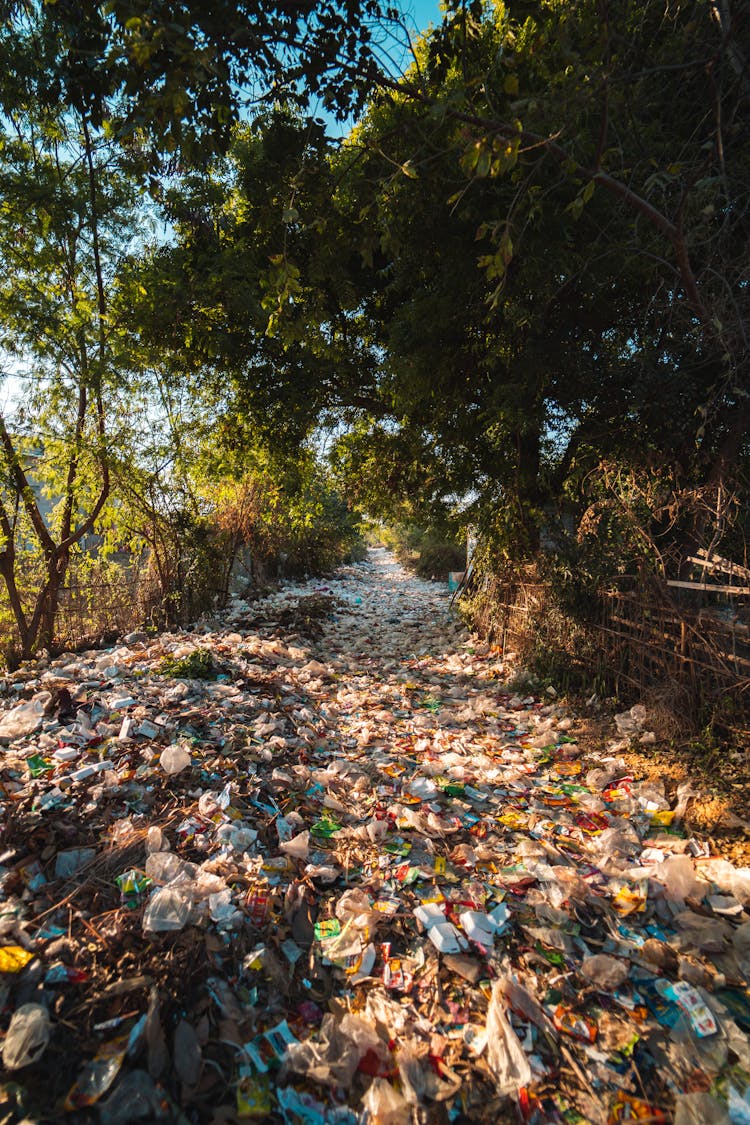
{"x": 313, "y": 862}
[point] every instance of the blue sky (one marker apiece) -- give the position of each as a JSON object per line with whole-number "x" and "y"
{"x": 417, "y": 16}
{"x": 423, "y": 12}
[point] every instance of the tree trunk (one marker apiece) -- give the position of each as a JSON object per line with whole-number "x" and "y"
{"x": 13, "y": 654}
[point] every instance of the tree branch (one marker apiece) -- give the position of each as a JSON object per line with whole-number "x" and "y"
{"x": 24, "y": 489}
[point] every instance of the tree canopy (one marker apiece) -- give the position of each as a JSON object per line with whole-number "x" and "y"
{"x": 526, "y": 261}
{"x": 178, "y": 75}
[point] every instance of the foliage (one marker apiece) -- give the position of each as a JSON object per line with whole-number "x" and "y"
{"x": 292, "y": 527}
{"x": 552, "y": 269}
{"x": 197, "y": 665}
{"x": 251, "y": 300}
{"x": 177, "y": 75}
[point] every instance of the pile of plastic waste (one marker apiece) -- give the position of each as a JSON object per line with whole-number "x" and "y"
{"x": 349, "y": 877}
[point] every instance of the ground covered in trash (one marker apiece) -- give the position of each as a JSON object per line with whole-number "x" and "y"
{"x": 313, "y": 861}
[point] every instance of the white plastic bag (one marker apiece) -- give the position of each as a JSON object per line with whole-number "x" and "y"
{"x": 27, "y": 1036}
{"x": 174, "y": 759}
{"x": 298, "y": 847}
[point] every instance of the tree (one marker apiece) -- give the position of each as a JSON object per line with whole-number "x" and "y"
{"x": 94, "y": 97}
{"x": 610, "y": 234}
{"x": 582, "y": 89}
{"x": 66, "y": 213}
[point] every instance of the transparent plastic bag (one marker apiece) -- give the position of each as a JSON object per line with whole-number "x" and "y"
{"x": 164, "y": 867}
{"x": 330, "y": 1058}
{"x": 699, "y": 1109}
{"x": 22, "y": 720}
{"x": 677, "y": 875}
{"x": 605, "y": 972}
{"x": 384, "y": 1104}
{"x": 168, "y": 910}
{"x": 505, "y": 1054}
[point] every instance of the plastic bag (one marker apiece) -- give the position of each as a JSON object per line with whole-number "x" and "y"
{"x": 23, "y": 719}
{"x": 411, "y": 1074}
{"x": 678, "y": 877}
{"x": 301, "y": 1108}
{"x": 134, "y": 1098}
{"x": 354, "y": 906}
{"x": 298, "y": 847}
{"x": 164, "y": 867}
{"x": 505, "y": 1054}
{"x": 739, "y": 1105}
{"x": 384, "y": 1104}
{"x": 174, "y": 759}
{"x": 168, "y": 910}
{"x": 710, "y": 935}
{"x": 27, "y": 1036}
{"x": 223, "y": 911}
{"x": 630, "y": 723}
{"x": 68, "y": 862}
{"x": 605, "y": 972}
{"x": 521, "y": 1000}
{"x": 741, "y": 943}
{"x": 156, "y": 841}
{"x": 740, "y": 885}
{"x": 331, "y": 1058}
{"x": 699, "y": 1109}
{"x": 685, "y": 793}
{"x": 187, "y": 1054}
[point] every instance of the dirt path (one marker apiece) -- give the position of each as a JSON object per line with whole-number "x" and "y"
{"x": 313, "y": 862}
